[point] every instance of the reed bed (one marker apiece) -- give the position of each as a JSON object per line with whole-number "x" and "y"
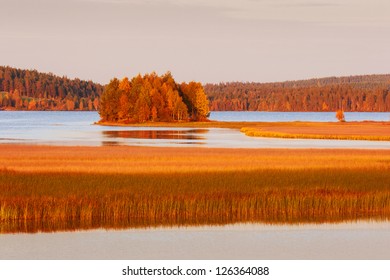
{"x": 369, "y": 131}
{"x": 228, "y": 186}
{"x": 256, "y": 132}
{"x": 127, "y": 160}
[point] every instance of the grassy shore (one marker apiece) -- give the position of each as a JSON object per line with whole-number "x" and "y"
{"x": 368, "y": 130}
{"x": 44, "y": 188}
{"x": 371, "y": 131}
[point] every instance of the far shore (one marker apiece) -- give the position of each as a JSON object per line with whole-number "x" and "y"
{"x": 365, "y": 130}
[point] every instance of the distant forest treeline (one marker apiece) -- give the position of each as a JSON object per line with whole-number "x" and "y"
{"x": 32, "y": 90}
{"x": 356, "y": 93}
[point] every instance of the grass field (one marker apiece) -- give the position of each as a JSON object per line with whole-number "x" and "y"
{"x": 45, "y": 188}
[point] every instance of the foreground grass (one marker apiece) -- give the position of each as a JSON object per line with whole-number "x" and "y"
{"x": 69, "y": 188}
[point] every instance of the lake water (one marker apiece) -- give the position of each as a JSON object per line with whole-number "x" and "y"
{"x": 362, "y": 240}
{"x": 76, "y": 128}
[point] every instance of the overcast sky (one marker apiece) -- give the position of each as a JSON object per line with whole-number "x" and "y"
{"x": 202, "y": 40}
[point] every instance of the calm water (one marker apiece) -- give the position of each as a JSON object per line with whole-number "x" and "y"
{"x": 361, "y": 240}
{"x": 76, "y": 128}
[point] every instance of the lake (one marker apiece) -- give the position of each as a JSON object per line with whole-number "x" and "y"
{"x": 76, "y": 128}
{"x": 353, "y": 240}
{"x": 358, "y": 240}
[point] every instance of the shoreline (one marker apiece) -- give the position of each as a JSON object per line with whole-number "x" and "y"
{"x": 365, "y": 130}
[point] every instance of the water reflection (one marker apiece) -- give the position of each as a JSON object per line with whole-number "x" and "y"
{"x": 72, "y": 225}
{"x": 157, "y": 137}
{"x": 361, "y": 240}
{"x": 111, "y": 143}
{"x": 193, "y": 134}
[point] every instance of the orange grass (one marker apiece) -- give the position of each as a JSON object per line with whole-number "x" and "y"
{"x": 371, "y": 131}
{"x": 68, "y": 188}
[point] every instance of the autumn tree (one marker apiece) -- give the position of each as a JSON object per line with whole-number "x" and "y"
{"x": 142, "y": 107}
{"x": 201, "y": 104}
{"x": 125, "y": 106}
{"x": 109, "y": 107}
{"x": 340, "y": 115}
{"x": 196, "y": 100}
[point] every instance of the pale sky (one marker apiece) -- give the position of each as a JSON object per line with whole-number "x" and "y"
{"x": 202, "y": 40}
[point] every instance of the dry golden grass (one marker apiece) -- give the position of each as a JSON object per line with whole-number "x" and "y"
{"x": 372, "y": 131}
{"x": 66, "y": 188}
{"x": 122, "y": 159}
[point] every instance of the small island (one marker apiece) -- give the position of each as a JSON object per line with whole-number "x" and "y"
{"x": 153, "y": 98}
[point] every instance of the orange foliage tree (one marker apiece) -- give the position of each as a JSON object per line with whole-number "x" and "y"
{"x": 196, "y": 100}
{"x": 340, "y": 115}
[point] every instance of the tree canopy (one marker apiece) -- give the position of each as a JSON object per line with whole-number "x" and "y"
{"x": 153, "y": 98}
{"x": 367, "y": 93}
{"x": 32, "y": 90}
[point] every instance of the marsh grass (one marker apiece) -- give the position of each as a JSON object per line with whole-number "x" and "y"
{"x": 46, "y": 201}
{"x": 370, "y": 131}
{"x": 258, "y": 132}
{"x": 44, "y": 188}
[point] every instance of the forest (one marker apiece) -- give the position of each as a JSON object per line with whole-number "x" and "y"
{"x": 366, "y": 93}
{"x": 32, "y": 90}
{"x": 153, "y": 98}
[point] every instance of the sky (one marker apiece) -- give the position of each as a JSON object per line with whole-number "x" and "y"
{"x": 210, "y": 41}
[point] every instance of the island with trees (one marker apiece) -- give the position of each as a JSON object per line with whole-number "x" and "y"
{"x": 153, "y": 98}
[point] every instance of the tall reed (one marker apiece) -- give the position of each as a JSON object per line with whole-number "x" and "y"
{"x": 49, "y": 201}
